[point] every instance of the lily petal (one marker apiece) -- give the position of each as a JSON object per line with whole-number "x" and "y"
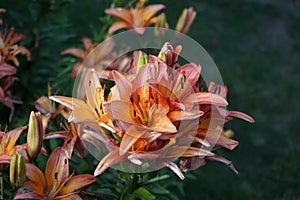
{"x": 76, "y": 182}
{"x": 81, "y": 111}
{"x": 92, "y": 84}
{"x": 57, "y": 170}
{"x": 123, "y": 85}
{"x": 179, "y": 115}
{"x": 120, "y": 13}
{"x": 217, "y": 137}
{"x": 206, "y": 98}
{"x": 119, "y": 110}
{"x": 11, "y": 137}
{"x": 109, "y": 160}
{"x": 117, "y": 26}
{"x": 129, "y": 138}
{"x": 175, "y": 169}
{"x": 7, "y": 70}
{"x": 37, "y": 180}
{"x": 5, "y": 158}
{"x": 241, "y": 115}
{"x": 28, "y": 195}
{"x": 151, "y": 10}
{"x": 79, "y": 53}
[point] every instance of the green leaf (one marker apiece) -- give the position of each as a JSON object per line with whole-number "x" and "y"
{"x": 157, "y": 189}
{"x": 144, "y": 194}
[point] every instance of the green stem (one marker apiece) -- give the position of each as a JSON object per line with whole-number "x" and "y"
{"x": 1, "y": 185}
{"x": 132, "y": 183}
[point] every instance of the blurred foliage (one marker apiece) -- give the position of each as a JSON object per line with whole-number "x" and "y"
{"x": 256, "y": 45}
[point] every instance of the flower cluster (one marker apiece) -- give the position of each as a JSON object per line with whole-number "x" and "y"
{"x": 141, "y": 111}
{"x": 8, "y": 52}
{"x": 155, "y": 111}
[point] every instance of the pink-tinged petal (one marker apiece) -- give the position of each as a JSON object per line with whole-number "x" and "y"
{"x": 150, "y": 11}
{"x": 139, "y": 30}
{"x": 119, "y": 110}
{"x": 57, "y": 170}
{"x": 87, "y": 43}
{"x": 179, "y": 115}
{"x": 27, "y": 195}
{"x": 183, "y": 151}
{"x": 120, "y": 13}
{"x": 191, "y": 163}
{"x": 2, "y": 10}
{"x": 57, "y": 134}
{"x": 175, "y": 169}
{"x": 217, "y": 137}
{"x": 123, "y": 85}
{"x": 4, "y": 158}
{"x": 16, "y": 37}
{"x": 191, "y": 72}
{"x": 37, "y": 181}
{"x": 75, "y": 70}
{"x": 79, "y": 53}
{"x": 76, "y": 182}
{"x": 220, "y": 90}
{"x": 97, "y": 140}
{"x": 7, "y": 70}
{"x": 206, "y": 98}
{"x": 240, "y": 115}
{"x": 81, "y": 111}
{"x": 92, "y": 83}
{"x": 69, "y": 146}
{"x": 222, "y": 160}
{"x": 109, "y": 160}
{"x": 129, "y": 138}
{"x": 11, "y": 138}
{"x": 24, "y": 51}
{"x": 117, "y": 26}
{"x": 159, "y": 121}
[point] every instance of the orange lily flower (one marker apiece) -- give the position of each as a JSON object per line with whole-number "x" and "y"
{"x": 91, "y": 110}
{"x": 9, "y": 49}
{"x": 72, "y": 140}
{"x": 134, "y": 18}
{"x": 147, "y": 114}
{"x": 8, "y": 145}
{"x": 56, "y": 183}
{"x": 82, "y": 54}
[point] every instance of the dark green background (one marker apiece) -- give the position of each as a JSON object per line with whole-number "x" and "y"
{"x": 256, "y": 46}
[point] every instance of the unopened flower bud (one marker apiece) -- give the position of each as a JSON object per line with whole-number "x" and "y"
{"x": 185, "y": 20}
{"x": 141, "y": 3}
{"x": 142, "y": 60}
{"x": 35, "y": 134}
{"x": 161, "y": 22}
{"x": 17, "y": 172}
{"x": 229, "y": 133}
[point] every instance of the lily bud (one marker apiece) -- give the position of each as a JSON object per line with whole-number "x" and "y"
{"x": 142, "y": 60}
{"x": 169, "y": 55}
{"x": 185, "y": 20}
{"x": 141, "y": 3}
{"x": 229, "y": 133}
{"x": 161, "y": 22}
{"x": 17, "y": 174}
{"x": 35, "y": 134}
